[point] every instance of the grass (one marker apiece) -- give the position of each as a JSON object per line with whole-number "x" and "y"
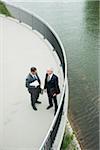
{"x": 66, "y": 141}
{"x": 4, "y": 10}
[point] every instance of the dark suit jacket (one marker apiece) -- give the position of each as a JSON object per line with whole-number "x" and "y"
{"x": 52, "y": 86}
{"x": 29, "y": 80}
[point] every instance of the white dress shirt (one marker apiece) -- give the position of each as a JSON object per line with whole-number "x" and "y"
{"x": 49, "y": 77}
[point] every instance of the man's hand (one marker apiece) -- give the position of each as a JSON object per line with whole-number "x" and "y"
{"x": 45, "y": 90}
{"x": 54, "y": 94}
{"x": 41, "y": 91}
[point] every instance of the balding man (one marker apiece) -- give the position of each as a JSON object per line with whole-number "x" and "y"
{"x": 52, "y": 86}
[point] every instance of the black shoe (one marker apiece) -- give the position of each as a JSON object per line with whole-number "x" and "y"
{"x": 49, "y": 106}
{"x": 34, "y": 108}
{"x": 55, "y": 111}
{"x": 38, "y": 102}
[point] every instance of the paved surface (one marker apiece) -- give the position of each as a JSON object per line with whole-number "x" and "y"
{"x": 21, "y": 128}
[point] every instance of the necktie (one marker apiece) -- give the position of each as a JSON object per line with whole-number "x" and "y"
{"x": 35, "y": 77}
{"x": 48, "y": 79}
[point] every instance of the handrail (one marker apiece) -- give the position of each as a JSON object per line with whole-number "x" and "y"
{"x": 56, "y": 43}
{"x": 37, "y": 23}
{"x": 54, "y": 120}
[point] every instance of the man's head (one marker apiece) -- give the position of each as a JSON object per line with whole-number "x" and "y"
{"x": 33, "y": 70}
{"x": 49, "y": 71}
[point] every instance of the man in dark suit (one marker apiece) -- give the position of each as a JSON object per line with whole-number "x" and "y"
{"x": 52, "y": 86}
{"x": 33, "y": 84}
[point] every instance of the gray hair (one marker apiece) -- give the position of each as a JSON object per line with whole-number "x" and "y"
{"x": 51, "y": 69}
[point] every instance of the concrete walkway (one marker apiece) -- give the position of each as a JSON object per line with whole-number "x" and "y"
{"x": 21, "y": 128}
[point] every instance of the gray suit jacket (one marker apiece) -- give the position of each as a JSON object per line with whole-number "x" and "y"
{"x": 30, "y": 79}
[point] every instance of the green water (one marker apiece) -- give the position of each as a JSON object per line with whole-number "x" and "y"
{"x": 77, "y": 26}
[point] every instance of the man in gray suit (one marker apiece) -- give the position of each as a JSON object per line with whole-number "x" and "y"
{"x": 33, "y": 84}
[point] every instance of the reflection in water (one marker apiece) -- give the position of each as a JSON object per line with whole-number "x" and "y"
{"x": 92, "y": 16}
{"x": 84, "y": 97}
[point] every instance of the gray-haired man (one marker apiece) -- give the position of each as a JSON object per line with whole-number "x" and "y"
{"x": 52, "y": 86}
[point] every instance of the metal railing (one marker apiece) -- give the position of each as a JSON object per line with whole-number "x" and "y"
{"x": 51, "y": 135}
{"x": 38, "y": 24}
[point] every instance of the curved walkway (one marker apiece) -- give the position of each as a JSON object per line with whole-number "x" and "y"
{"x": 21, "y": 128}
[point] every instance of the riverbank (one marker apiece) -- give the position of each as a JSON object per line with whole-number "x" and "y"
{"x": 70, "y": 141}
{"x": 4, "y": 10}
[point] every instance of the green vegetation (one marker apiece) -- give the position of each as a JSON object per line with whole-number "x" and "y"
{"x": 67, "y": 141}
{"x": 3, "y": 9}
